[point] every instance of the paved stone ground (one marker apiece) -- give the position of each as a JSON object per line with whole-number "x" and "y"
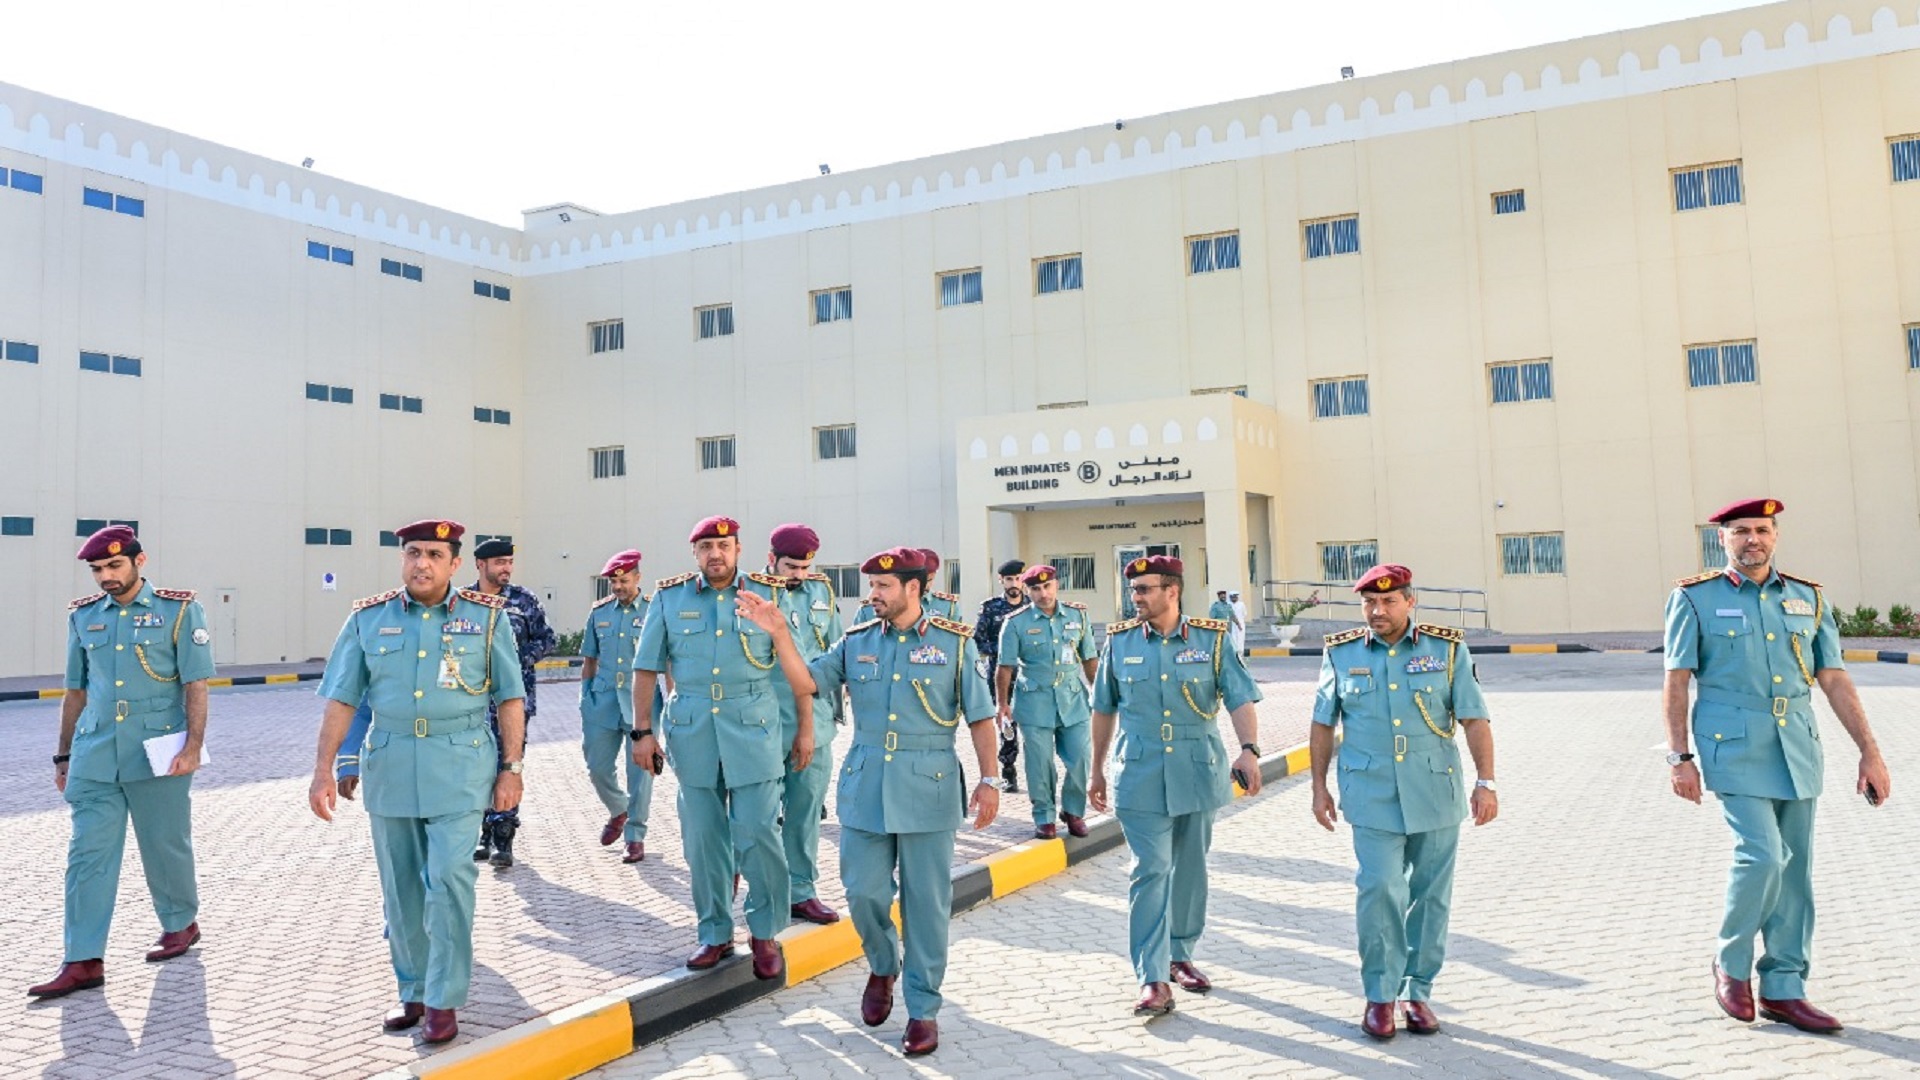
{"x": 1583, "y": 929}
{"x": 292, "y": 976}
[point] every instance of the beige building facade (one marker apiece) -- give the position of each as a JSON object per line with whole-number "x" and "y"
{"x": 1519, "y": 321}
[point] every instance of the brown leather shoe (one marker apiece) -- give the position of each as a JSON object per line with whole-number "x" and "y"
{"x": 1189, "y": 977}
{"x": 709, "y": 956}
{"x": 1734, "y": 995}
{"x": 1420, "y": 1018}
{"x": 441, "y": 1026}
{"x": 876, "y": 1002}
{"x": 403, "y": 1016}
{"x": 73, "y": 975}
{"x": 1076, "y": 826}
{"x": 812, "y": 910}
{"x": 922, "y": 1037}
{"x": 767, "y": 962}
{"x": 636, "y": 852}
{"x": 1378, "y": 1021}
{"x": 616, "y": 825}
{"x": 1045, "y": 832}
{"x": 1156, "y": 999}
{"x": 1801, "y": 1014}
{"x": 173, "y": 944}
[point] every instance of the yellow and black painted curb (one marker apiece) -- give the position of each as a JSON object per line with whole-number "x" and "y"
{"x": 574, "y": 1040}
{"x": 258, "y": 680}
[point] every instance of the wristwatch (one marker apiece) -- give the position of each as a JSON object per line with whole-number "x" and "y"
{"x": 1675, "y": 758}
{"x": 514, "y": 767}
{"x": 61, "y": 759}
{"x": 636, "y": 734}
{"x": 994, "y": 782}
{"x": 1255, "y": 747}
{"x": 1487, "y": 784}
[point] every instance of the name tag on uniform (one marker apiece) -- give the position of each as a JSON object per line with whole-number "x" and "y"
{"x": 927, "y": 654}
{"x": 1420, "y": 664}
{"x": 1192, "y": 656}
{"x": 689, "y": 614}
{"x": 392, "y": 631}
{"x": 1359, "y": 671}
{"x": 1796, "y": 606}
{"x": 460, "y": 626}
{"x": 1730, "y": 613}
{"x": 96, "y": 626}
{"x": 1133, "y": 659}
{"x": 1036, "y": 629}
{"x": 602, "y": 625}
{"x": 866, "y": 659}
{"x": 148, "y": 619}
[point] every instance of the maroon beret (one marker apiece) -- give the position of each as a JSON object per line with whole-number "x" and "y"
{"x": 1747, "y": 508}
{"x": 431, "y": 529}
{"x": 626, "y": 560}
{"x": 899, "y": 560}
{"x": 794, "y": 541}
{"x": 1039, "y": 575}
{"x": 1155, "y": 564}
{"x": 930, "y": 557}
{"x": 714, "y": 526}
{"x": 1384, "y": 578}
{"x": 108, "y": 542}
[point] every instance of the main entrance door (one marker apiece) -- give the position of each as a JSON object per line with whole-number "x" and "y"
{"x": 1126, "y": 553}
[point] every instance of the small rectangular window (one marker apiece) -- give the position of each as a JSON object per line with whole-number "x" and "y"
{"x": 716, "y": 452}
{"x": 410, "y": 404}
{"x": 481, "y": 288}
{"x": 836, "y": 441}
{"x": 484, "y": 416}
{"x": 1339, "y": 397}
{"x": 609, "y": 462}
{"x": 88, "y": 526}
{"x": 1510, "y": 202}
{"x": 24, "y": 351}
{"x": 1218, "y": 251}
{"x": 1713, "y": 556}
{"x": 1524, "y": 380}
{"x": 126, "y": 365}
{"x": 959, "y": 288}
{"x": 95, "y": 361}
{"x": 343, "y": 256}
{"x": 390, "y": 402}
{"x": 1346, "y": 560}
{"x": 845, "y": 581}
{"x": 1913, "y": 347}
{"x": 25, "y": 181}
{"x": 1532, "y": 554}
{"x": 832, "y": 305}
{"x": 94, "y": 197}
{"x": 501, "y": 292}
{"x": 1059, "y": 273}
{"x": 389, "y": 538}
{"x": 609, "y": 335}
{"x": 318, "y": 250}
{"x": 502, "y": 416}
{"x": 340, "y": 537}
{"x": 1328, "y": 237}
{"x": 317, "y": 391}
{"x": 341, "y": 395}
{"x": 1076, "y": 571}
{"x": 16, "y": 526}
{"x": 390, "y": 267}
{"x": 1905, "y": 152}
{"x": 715, "y": 321}
{"x": 317, "y": 537}
{"x": 1721, "y": 363}
{"x": 1698, "y": 186}
{"x": 130, "y": 206}
{"x": 410, "y": 272}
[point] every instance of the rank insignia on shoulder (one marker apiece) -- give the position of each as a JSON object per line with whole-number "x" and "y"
{"x": 1122, "y": 626}
{"x": 1425, "y": 663}
{"x": 1793, "y": 605}
{"x": 1192, "y": 656}
{"x": 174, "y": 594}
{"x": 768, "y": 580}
{"x": 950, "y": 598}
{"x": 82, "y": 601}
{"x": 927, "y": 654}
{"x": 1075, "y": 604}
{"x": 1801, "y": 580}
{"x": 1445, "y": 633}
{"x": 677, "y": 579}
{"x": 1345, "y": 636}
{"x": 1696, "y": 579}
{"x": 1207, "y": 624}
{"x": 951, "y": 627}
{"x": 604, "y": 601}
{"x": 862, "y": 626}
{"x": 377, "y": 598}
{"x": 497, "y": 603}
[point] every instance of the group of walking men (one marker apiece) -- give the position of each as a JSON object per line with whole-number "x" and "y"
{"x": 738, "y": 681}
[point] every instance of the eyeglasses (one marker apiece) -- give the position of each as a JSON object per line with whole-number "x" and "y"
{"x": 1139, "y": 589}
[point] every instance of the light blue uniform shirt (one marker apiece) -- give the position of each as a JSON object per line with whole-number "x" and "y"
{"x": 132, "y": 660}
{"x": 727, "y": 683}
{"x": 1048, "y": 651}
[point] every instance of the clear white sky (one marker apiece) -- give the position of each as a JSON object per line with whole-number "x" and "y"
{"x": 489, "y": 107}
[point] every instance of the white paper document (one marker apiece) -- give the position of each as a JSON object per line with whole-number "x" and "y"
{"x": 162, "y": 749}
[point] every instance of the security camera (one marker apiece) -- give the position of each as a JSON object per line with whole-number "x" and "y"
{"x": 1119, "y": 125}
{"x": 564, "y": 555}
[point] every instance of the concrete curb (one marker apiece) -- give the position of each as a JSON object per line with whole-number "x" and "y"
{"x": 260, "y": 680}
{"x": 568, "y": 1042}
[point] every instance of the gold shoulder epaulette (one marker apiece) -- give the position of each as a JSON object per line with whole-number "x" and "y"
{"x": 603, "y": 601}
{"x": 768, "y": 580}
{"x": 1208, "y": 624}
{"x": 1446, "y": 632}
{"x": 818, "y": 576}
{"x": 1697, "y": 578}
{"x": 950, "y": 626}
{"x": 1345, "y": 636}
{"x": 377, "y": 598}
{"x": 670, "y": 582}
{"x": 1122, "y": 626}
{"x": 1801, "y": 580}
{"x": 497, "y": 603}
{"x": 188, "y": 594}
{"x": 951, "y": 598}
{"x": 1074, "y": 604}
{"x": 859, "y": 626}
{"x": 85, "y": 600}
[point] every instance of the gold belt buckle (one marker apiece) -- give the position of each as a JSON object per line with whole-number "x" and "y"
{"x": 419, "y": 727}
{"x": 1779, "y": 707}
{"x": 1166, "y": 732}
{"x": 120, "y": 711}
{"x": 892, "y": 741}
{"x": 1399, "y": 744}
{"x": 719, "y": 692}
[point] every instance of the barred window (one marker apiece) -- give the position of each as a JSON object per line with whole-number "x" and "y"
{"x": 1913, "y": 347}
{"x": 1532, "y": 554}
{"x": 845, "y": 580}
{"x": 1076, "y": 571}
{"x": 1698, "y": 186}
{"x": 960, "y": 287}
{"x": 715, "y": 321}
{"x": 1905, "y": 152}
{"x": 1721, "y": 363}
{"x": 1217, "y": 251}
{"x": 1331, "y": 236}
{"x": 716, "y": 452}
{"x": 1346, "y": 560}
{"x": 1339, "y": 397}
{"x": 1510, "y": 202}
{"x": 836, "y": 441}
{"x": 1713, "y": 556}
{"x": 1059, "y": 273}
{"x": 832, "y": 305}
{"x": 608, "y": 462}
{"x": 1523, "y": 380}
{"x": 609, "y": 335}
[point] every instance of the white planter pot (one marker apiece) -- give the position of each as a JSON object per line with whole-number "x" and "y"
{"x": 1287, "y": 633}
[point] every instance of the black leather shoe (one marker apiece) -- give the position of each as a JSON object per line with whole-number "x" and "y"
{"x": 503, "y": 844}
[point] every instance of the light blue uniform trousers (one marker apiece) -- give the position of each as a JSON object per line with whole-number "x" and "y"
{"x": 427, "y": 878}
{"x": 162, "y": 827}
{"x": 1074, "y": 745}
{"x": 1406, "y": 896}
{"x": 924, "y": 862}
{"x": 803, "y": 793}
{"x": 1166, "y": 887}
{"x": 724, "y": 829}
{"x": 1770, "y": 893}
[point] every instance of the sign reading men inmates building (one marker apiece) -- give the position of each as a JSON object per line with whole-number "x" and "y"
{"x": 1045, "y": 476}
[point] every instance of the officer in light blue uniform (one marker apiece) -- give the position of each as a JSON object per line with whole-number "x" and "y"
{"x": 428, "y": 658}
{"x": 913, "y": 683}
{"x": 1046, "y": 657}
{"x": 1401, "y": 692}
{"x": 1163, "y": 679}
{"x": 724, "y": 739}
{"x": 944, "y": 604}
{"x": 606, "y": 706}
{"x": 1759, "y": 641}
{"x": 138, "y": 661}
{"x": 808, "y": 605}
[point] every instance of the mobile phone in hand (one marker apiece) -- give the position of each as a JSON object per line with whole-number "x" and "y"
{"x": 1240, "y": 777}
{"x": 659, "y": 763}
{"x": 1873, "y": 795}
